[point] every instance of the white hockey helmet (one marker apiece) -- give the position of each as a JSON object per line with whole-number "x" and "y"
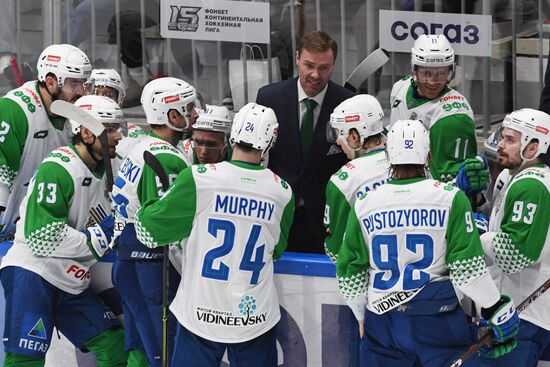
{"x": 255, "y": 125}
{"x": 362, "y": 112}
{"x": 408, "y": 143}
{"x": 432, "y": 51}
{"x": 106, "y": 78}
{"x": 104, "y": 109}
{"x": 64, "y": 61}
{"x": 532, "y": 124}
{"x": 214, "y": 118}
{"x": 164, "y": 94}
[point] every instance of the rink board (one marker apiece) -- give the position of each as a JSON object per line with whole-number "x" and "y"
{"x": 314, "y": 327}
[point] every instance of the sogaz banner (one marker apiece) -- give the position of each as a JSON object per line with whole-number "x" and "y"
{"x": 469, "y": 34}
{"x": 215, "y": 20}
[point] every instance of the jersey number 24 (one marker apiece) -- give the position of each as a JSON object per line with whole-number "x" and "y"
{"x": 227, "y": 229}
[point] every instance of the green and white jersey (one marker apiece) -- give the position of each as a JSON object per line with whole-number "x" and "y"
{"x": 234, "y": 218}
{"x": 405, "y": 234}
{"x": 27, "y": 135}
{"x": 126, "y": 144}
{"x": 49, "y": 239}
{"x": 518, "y": 241}
{"x": 448, "y": 118}
{"x": 352, "y": 181}
{"x": 137, "y": 183}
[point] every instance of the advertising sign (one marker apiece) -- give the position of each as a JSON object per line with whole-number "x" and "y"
{"x": 469, "y": 34}
{"x": 215, "y": 20}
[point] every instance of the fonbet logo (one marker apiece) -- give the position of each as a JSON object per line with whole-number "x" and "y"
{"x": 541, "y": 129}
{"x": 352, "y": 118}
{"x": 455, "y": 33}
{"x": 79, "y": 273}
{"x": 86, "y": 106}
{"x": 171, "y": 99}
{"x": 53, "y": 58}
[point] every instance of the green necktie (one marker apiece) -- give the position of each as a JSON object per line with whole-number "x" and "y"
{"x": 306, "y": 126}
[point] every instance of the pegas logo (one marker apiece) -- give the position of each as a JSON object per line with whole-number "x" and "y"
{"x": 455, "y": 33}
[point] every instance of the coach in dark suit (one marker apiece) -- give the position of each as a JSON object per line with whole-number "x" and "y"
{"x": 302, "y": 155}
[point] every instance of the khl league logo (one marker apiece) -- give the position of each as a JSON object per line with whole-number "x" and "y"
{"x": 184, "y": 18}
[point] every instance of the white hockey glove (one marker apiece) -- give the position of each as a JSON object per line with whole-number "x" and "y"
{"x": 4, "y": 196}
{"x": 358, "y": 306}
{"x": 99, "y": 235}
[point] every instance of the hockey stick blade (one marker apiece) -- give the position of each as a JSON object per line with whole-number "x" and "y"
{"x": 374, "y": 61}
{"x": 487, "y": 337}
{"x": 155, "y": 165}
{"x": 72, "y": 112}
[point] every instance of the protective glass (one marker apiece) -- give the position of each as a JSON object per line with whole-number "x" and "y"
{"x": 433, "y": 75}
{"x": 74, "y": 86}
{"x": 206, "y": 144}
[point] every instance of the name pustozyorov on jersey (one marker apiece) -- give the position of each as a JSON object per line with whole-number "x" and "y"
{"x": 136, "y": 184}
{"x": 236, "y": 218}
{"x": 27, "y": 135}
{"x": 449, "y": 119}
{"x": 49, "y": 239}
{"x": 518, "y": 240}
{"x": 352, "y": 181}
{"x": 406, "y": 234}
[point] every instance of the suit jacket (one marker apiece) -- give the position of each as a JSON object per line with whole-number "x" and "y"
{"x": 307, "y": 176}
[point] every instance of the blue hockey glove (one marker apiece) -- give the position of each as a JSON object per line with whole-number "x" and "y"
{"x": 503, "y": 319}
{"x": 99, "y": 235}
{"x": 482, "y": 223}
{"x": 473, "y": 175}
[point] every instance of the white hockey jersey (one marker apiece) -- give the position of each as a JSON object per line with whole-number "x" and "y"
{"x": 49, "y": 239}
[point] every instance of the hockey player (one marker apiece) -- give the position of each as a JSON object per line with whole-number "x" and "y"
{"x": 108, "y": 83}
{"x": 208, "y": 143}
{"x": 518, "y": 240}
{"x": 446, "y": 114}
{"x": 358, "y": 124}
{"x": 137, "y": 273}
{"x": 408, "y": 243}
{"x": 28, "y": 129}
{"x": 46, "y": 273}
{"x": 234, "y": 217}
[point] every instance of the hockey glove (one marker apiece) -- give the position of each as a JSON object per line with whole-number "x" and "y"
{"x": 99, "y": 236}
{"x": 482, "y": 223}
{"x": 502, "y": 318}
{"x": 473, "y": 175}
{"x": 499, "y": 349}
{"x": 4, "y": 196}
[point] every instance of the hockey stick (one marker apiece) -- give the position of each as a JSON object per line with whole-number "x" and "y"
{"x": 72, "y": 112}
{"x": 487, "y": 337}
{"x": 155, "y": 165}
{"x": 374, "y": 61}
